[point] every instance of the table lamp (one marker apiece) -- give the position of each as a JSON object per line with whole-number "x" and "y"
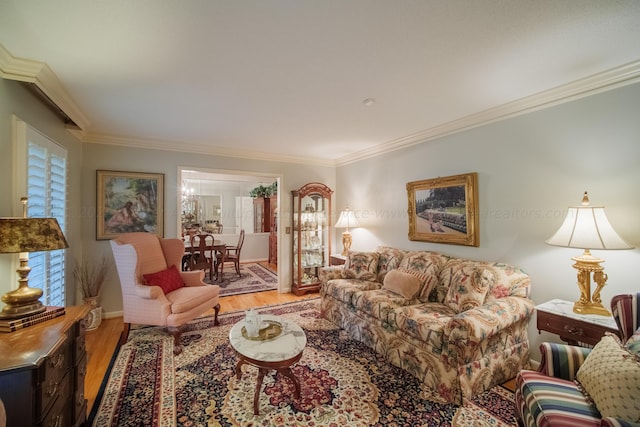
{"x": 347, "y": 219}
{"x": 24, "y": 235}
{"x": 587, "y": 227}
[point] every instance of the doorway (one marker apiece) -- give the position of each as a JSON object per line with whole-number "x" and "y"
{"x": 209, "y": 199}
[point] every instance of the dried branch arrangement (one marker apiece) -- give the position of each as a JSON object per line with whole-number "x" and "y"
{"x": 91, "y": 276}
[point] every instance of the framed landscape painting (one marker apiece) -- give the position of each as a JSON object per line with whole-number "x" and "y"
{"x": 129, "y": 202}
{"x": 444, "y": 210}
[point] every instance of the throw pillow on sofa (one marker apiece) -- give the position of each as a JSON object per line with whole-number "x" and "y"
{"x": 425, "y": 265}
{"x": 469, "y": 286}
{"x": 402, "y": 283}
{"x": 169, "y": 280}
{"x": 409, "y": 284}
{"x": 610, "y": 375}
{"x": 361, "y": 266}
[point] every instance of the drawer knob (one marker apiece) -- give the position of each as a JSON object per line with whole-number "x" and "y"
{"x": 52, "y": 388}
{"x": 57, "y": 360}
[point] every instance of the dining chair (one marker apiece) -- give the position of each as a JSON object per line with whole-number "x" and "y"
{"x": 231, "y": 254}
{"x": 201, "y": 253}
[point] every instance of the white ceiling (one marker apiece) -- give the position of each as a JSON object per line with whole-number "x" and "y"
{"x": 288, "y": 77}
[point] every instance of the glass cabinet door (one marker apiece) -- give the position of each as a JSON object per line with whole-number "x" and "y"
{"x": 311, "y": 220}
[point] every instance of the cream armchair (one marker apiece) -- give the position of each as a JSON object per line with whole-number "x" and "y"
{"x": 138, "y": 254}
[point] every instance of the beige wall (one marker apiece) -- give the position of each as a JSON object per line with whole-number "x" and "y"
{"x": 530, "y": 169}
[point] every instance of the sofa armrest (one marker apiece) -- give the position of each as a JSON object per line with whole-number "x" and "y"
{"x": 478, "y": 324}
{"x": 561, "y": 360}
{"x": 330, "y": 273}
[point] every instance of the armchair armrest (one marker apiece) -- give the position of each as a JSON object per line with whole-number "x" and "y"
{"x": 149, "y": 292}
{"x": 480, "y": 323}
{"x": 193, "y": 278}
{"x": 561, "y": 360}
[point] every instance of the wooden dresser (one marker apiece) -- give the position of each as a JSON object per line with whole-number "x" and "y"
{"x": 42, "y": 371}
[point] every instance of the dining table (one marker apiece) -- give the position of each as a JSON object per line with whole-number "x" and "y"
{"x": 216, "y": 246}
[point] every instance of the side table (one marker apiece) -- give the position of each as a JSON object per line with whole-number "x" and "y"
{"x": 337, "y": 259}
{"x": 557, "y": 316}
{"x": 277, "y": 353}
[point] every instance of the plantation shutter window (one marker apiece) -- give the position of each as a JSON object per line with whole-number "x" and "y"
{"x": 44, "y": 182}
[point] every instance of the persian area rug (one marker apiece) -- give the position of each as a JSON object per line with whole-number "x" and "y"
{"x": 253, "y": 278}
{"x": 343, "y": 383}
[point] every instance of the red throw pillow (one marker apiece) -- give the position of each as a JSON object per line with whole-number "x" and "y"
{"x": 169, "y": 280}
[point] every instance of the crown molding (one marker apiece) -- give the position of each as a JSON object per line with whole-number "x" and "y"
{"x": 40, "y": 75}
{"x": 601, "y": 82}
{"x": 185, "y": 147}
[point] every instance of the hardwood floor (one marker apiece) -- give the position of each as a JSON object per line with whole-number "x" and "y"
{"x": 102, "y": 342}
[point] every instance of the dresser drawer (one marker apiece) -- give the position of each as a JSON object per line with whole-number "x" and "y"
{"x": 571, "y": 330}
{"x": 53, "y": 371}
{"x": 79, "y": 404}
{"x": 60, "y": 413}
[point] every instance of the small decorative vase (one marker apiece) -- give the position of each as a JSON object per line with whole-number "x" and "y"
{"x": 94, "y": 318}
{"x": 252, "y": 323}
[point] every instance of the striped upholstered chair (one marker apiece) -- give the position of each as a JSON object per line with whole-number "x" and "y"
{"x": 552, "y": 397}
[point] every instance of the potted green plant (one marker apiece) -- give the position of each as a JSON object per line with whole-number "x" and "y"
{"x": 264, "y": 191}
{"x": 260, "y": 191}
{"x": 90, "y": 276}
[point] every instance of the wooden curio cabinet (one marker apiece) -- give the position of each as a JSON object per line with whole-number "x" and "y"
{"x": 311, "y": 241}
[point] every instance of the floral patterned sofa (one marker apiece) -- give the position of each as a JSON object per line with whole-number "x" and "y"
{"x": 459, "y": 326}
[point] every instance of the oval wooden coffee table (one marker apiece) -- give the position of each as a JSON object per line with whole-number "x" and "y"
{"x": 279, "y": 346}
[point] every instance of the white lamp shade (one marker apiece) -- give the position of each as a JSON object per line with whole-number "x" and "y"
{"x": 587, "y": 227}
{"x": 347, "y": 219}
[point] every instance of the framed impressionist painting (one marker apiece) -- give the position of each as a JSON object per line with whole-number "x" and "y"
{"x": 444, "y": 210}
{"x": 129, "y": 202}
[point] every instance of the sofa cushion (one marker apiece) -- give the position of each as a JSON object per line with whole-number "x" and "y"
{"x": 509, "y": 280}
{"x": 168, "y": 280}
{"x": 361, "y": 265}
{"x": 402, "y": 283}
{"x": 611, "y": 376}
{"x": 380, "y": 304}
{"x": 389, "y": 259}
{"x": 469, "y": 284}
{"x": 428, "y": 265}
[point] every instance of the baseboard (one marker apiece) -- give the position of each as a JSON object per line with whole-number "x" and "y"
{"x": 112, "y": 314}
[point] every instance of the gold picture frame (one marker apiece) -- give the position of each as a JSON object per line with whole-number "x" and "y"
{"x": 128, "y": 202}
{"x": 444, "y": 210}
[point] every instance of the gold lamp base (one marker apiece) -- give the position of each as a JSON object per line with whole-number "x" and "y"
{"x": 588, "y": 303}
{"x": 17, "y": 311}
{"x": 346, "y": 242}
{"x": 23, "y": 301}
